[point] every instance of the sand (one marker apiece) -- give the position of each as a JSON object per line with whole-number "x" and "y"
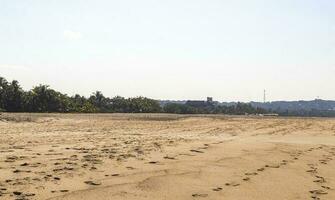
{"x": 129, "y": 156}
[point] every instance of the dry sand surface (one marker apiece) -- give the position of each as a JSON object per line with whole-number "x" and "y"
{"x": 128, "y": 156}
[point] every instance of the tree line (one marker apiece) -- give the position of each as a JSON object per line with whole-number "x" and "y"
{"x": 211, "y": 108}
{"x": 304, "y": 113}
{"x": 42, "y": 98}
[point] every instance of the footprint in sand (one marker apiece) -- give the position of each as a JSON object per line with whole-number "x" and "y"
{"x": 21, "y": 196}
{"x": 312, "y": 168}
{"x": 169, "y": 158}
{"x": 11, "y": 159}
{"x": 130, "y": 168}
{"x": 326, "y": 187}
{"x": 217, "y": 189}
{"x": 29, "y": 194}
{"x": 115, "y": 175}
{"x": 284, "y": 162}
{"x": 246, "y": 179}
{"x": 196, "y": 151}
{"x": 323, "y": 162}
{"x": 17, "y": 193}
{"x": 318, "y": 192}
{"x": 95, "y": 183}
{"x": 21, "y": 171}
{"x": 24, "y": 164}
{"x": 261, "y": 169}
{"x": 232, "y": 184}
{"x": 199, "y": 195}
{"x": 251, "y": 173}
{"x": 320, "y": 179}
{"x": 272, "y": 166}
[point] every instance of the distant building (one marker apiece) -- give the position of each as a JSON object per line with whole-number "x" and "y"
{"x": 196, "y": 103}
{"x": 199, "y": 104}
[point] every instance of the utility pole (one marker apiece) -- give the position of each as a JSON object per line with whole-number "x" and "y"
{"x": 264, "y": 96}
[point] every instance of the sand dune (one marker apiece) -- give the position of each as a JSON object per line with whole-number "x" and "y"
{"x": 129, "y": 156}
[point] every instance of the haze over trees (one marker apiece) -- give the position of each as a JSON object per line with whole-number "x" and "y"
{"x": 210, "y": 108}
{"x": 42, "y": 98}
{"x": 317, "y": 107}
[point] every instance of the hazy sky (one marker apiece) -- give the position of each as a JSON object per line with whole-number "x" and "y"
{"x": 172, "y": 49}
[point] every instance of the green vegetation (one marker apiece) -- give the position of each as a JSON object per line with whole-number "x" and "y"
{"x": 209, "y": 108}
{"x": 44, "y": 99}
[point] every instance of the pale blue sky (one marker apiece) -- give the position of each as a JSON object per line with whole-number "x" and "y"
{"x": 176, "y": 49}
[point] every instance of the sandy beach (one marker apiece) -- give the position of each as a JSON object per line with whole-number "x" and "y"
{"x": 157, "y": 156}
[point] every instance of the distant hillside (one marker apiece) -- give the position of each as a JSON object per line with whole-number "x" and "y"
{"x": 317, "y": 107}
{"x": 316, "y": 104}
